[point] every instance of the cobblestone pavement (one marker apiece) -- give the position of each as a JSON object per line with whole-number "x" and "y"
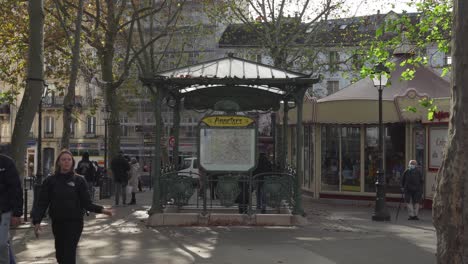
{"x": 336, "y": 233}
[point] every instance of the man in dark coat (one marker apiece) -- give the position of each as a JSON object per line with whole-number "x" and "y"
{"x": 11, "y": 205}
{"x": 120, "y": 168}
{"x": 86, "y": 168}
{"x": 412, "y": 185}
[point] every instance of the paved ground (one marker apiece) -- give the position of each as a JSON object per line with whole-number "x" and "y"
{"x": 336, "y": 233}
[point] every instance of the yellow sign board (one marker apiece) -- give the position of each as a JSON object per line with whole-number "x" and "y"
{"x": 228, "y": 121}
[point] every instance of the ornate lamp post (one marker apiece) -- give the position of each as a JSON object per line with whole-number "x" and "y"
{"x": 381, "y": 213}
{"x": 38, "y": 182}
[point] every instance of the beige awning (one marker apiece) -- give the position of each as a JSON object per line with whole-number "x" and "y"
{"x": 358, "y": 102}
{"x": 356, "y": 112}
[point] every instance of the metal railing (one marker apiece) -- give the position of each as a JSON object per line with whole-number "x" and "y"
{"x": 228, "y": 192}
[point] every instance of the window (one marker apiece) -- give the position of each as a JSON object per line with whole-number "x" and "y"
{"x": 448, "y": 60}
{"x": 394, "y": 156}
{"x": 124, "y": 130}
{"x": 333, "y": 60}
{"x": 330, "y": 158}
{"x": 48, "y": 126}
{"x": 91, "y": 125}
{"x": 350, "y": 159}
{"x": 341, "y": 155}
{"x": 333, "y": 87}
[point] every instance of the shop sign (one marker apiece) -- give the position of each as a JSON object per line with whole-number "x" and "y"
{"x": 438, "y": 137}
{"x": 441, "y": 115}
{"x": 227, "y": 121}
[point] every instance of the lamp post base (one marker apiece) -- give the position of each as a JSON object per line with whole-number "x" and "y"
{"x": 380, "y": 212}
{"x": 381, "y": 216}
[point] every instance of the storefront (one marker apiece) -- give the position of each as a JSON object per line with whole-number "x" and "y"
{"x": 341, "y": 137}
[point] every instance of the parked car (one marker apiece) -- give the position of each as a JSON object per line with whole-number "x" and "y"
{"x": 190, "y": 167}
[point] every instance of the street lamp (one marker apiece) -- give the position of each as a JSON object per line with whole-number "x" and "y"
{"x": 38, "y": 182}
{"x": 381, "y": 213}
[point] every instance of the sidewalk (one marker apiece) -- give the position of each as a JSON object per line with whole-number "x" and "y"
{"x": 336, "y": 233}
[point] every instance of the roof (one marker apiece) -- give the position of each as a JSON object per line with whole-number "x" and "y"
{"x": 230, "y": 67}
{"x": 253, "y": 86}
{"x": 425, "y": 81}
{"x": 343, "y": 31}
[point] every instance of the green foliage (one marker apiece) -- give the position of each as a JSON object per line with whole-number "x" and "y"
{"x": 14, "y": 38}
{"x": 413, "y": 33}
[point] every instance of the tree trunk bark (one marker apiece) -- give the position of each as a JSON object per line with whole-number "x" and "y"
{"x": 107, "y": 70}
{"x": 69, "y": 101}
{"x": 451, "y": 197}
{"x": 35, "y": 85}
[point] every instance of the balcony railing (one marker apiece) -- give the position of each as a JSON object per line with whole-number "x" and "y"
{"x": 54, "y": 101}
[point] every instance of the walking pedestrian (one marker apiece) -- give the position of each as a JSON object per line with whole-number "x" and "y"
{"x": 66, "y": 196}
{"x": 412, "y": 187}
{"x": 133, "y": 181}
{"x": 263, "y": 166}
{"x": 120, "y": 168}
{"x": 86, "y": 168}
{"x": 11, "y": 206}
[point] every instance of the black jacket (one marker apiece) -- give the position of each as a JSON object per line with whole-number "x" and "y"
{"x": 86, "y": 168}
{"x": 11, "y": 193}
{"x": 120, "y": 168}
{"x": 412, "y": 180}
{"x": 66, "y": 196}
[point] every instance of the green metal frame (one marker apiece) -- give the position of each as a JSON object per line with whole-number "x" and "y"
{"x": 292, "y": 88}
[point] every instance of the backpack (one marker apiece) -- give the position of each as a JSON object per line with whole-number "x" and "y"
{"x": 86, "y": 168}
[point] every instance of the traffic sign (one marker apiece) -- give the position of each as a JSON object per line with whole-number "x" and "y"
{"x": 171, "y": 141}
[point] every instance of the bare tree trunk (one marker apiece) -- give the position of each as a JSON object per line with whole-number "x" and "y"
{"x": 451, "y": 198}
{"x": 35, "y": 84}
{"x": 69, "y": 100}
{"x": 111, "y": 98}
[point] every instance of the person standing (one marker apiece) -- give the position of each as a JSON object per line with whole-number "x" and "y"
{"x": 134, "y": 177}
{"x": 412, "y": 186}
{"x": 120, "y": 168}
{"x": 263, "y": 166}
{"x": 66, "y": 196}
{"x": 11, "y": 205}
{"x": 86, "y": 168}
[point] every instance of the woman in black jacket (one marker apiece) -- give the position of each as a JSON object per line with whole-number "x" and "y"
{"x": 66, "y": 195}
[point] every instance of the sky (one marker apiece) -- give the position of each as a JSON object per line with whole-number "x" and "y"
{"x": 367, "y": 7}
{"x": 351, "y": 7}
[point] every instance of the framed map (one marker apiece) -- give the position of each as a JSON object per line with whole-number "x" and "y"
{"x": 227, "y": 149}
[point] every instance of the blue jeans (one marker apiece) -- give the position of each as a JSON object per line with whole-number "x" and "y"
{"x": 6, "y": 255}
